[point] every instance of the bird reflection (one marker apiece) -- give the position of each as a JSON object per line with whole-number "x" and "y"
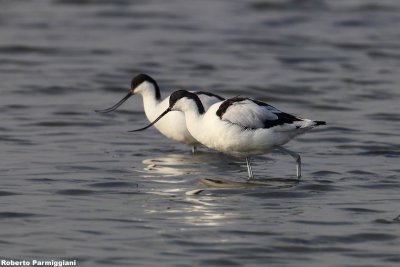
{"x": 184, "y": 164}
{"x": 182, "y": 173}
{"x": 204, "y": 211}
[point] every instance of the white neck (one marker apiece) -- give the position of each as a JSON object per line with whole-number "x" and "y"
{"x": 151, "y": 104}
{"x": 192, "y": 115}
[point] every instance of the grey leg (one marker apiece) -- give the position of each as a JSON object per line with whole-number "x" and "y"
{"x": 249, "y": 170}
{"x": 194, "y": 150}
{"x": 295, "y": 156}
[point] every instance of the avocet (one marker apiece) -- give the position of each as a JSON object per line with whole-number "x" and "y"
{"x": 239, "y": 126}
{"x": 173, "y": 125}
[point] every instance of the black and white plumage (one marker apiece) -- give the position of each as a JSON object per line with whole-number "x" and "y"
{"x": 239, "y": 126}
{"x": 173, "y": 125}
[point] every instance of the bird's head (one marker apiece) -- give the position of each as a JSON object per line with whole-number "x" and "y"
{"x": 140, "y": 84}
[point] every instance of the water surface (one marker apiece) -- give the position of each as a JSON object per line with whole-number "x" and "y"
{"x": 75, "y": 184}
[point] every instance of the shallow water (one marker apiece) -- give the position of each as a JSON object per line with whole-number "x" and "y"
{"x": 75, "y": 185}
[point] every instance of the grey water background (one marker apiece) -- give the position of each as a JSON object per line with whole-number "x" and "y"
{"x": 75, "y": 184}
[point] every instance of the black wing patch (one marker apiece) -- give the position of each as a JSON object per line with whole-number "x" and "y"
{"x": 281, "y": 117}
{"x": 226, "y": 104}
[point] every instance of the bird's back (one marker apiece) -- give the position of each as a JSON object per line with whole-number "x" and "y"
{"x": 253, "y": 114}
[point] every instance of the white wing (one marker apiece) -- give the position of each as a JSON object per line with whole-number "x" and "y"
{"x": 253, "y": 114}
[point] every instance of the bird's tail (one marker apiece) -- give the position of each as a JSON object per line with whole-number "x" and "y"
{"x": 307, "y": 124}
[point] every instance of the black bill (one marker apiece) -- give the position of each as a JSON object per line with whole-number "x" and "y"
{"x": 151, "y": 124}
{"x": 116, "y": 105}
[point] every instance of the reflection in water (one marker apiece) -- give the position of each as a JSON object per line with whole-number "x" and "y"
{"x": 272, "y": 183}
{"x": 176, "y": 169}
{"x": 169, "y": 165}
{"x": 202, "y": 212}
{"x": 193, "y": 211}
{"x": 183, "y": 164}
{"x": 165, "y": 170}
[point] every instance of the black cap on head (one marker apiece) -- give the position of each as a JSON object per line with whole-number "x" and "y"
{"x": 138, "y": 79}
{"x": 175, "y": 96}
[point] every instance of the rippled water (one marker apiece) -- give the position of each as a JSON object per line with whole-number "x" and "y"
{"x": 75, "y": 185}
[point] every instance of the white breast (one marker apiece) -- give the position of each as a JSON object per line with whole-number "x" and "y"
{"x": 173, "y": 125}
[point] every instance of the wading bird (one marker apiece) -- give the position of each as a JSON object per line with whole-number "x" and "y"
{"x": 239, "y": 126}
{"x": 173, "y": 125}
